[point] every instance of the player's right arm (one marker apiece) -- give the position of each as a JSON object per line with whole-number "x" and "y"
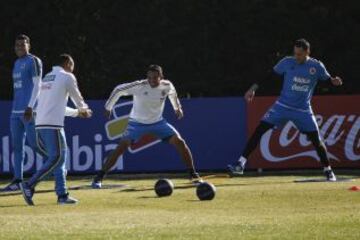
{"x": 76, "y": 97}
{"x": 125, "y": 89}
{"x": 36, "y": 74}
{"x": 279, "y": 69}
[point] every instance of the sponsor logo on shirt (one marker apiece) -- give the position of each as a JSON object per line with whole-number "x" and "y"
{"x": 301, "y": 84}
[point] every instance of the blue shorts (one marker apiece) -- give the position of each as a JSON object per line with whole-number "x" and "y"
{"x": 162, "y": 130}
{"x": 279, "y": 115}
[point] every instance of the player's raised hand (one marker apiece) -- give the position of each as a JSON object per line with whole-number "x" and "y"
{"x": 336, "y": 81}
{"x": 179, "y": 113}
{"x": 28, "y": 114}
{"x": 107, "y": 114}
{"x": 249, "y": 95}
{"x": 85, "y": 113}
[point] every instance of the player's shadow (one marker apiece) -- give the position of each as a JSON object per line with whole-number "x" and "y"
{"x": 72, "y": 188}
{"x": 7, "y": 194}
{"x": 147, "y": 197}
{"x": 25, "y": 205}
{"x": 11, "y": 206}
{"x": 181, "y": 187}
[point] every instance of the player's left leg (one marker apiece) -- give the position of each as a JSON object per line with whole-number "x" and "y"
{"x": 60, "y": 176}
{"x": 321, "y": 150}
{"x": 184, "y": 151}
{"x": 168, "y": 133}
{"x": 306, "y": 123}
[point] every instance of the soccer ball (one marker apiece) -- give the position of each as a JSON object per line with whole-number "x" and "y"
{"x": 205, "y": 191}
{"x": 164, "y": 187}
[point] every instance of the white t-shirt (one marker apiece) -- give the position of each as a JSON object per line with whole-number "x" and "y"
{"x": 56, "y": 87}
{"x": 148, "y": 102}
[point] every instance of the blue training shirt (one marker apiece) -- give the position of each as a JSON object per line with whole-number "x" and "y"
{"x": 299, "y": 81}
{"x": 25, "y": 69}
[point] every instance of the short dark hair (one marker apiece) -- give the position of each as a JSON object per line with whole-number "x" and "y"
{"x": 23, "y": 37}
{"x": 302, "y": 43}
{"x": 156, "y": 68}
{"x": 63, "y": 58}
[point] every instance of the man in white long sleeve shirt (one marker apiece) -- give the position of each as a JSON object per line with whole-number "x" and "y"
{"x": 149, "y": 96}
{"x": 56, "y": 88}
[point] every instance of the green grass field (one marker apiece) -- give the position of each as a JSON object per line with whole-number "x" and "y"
{"x": 263, "y": 207}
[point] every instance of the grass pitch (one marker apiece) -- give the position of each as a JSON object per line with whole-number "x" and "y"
{"x": 263, "y": 207}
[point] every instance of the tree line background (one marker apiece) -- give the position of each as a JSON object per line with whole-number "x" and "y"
{"x": 206, "y": 47}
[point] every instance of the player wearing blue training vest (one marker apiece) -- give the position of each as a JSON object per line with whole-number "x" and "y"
{"x": 301, "y": 74}
{"x": 27, "y": 73}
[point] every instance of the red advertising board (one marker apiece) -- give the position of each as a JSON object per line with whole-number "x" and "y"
{"x": 339, "y": 122}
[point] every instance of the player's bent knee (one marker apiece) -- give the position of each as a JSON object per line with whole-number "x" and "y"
{"x": 177, "y": 140}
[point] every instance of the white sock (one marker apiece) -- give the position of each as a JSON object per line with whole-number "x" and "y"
{"x": 242, "y": 160}
{"x": 327, "y": 168}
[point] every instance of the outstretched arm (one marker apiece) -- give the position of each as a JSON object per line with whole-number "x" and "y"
{"x": 250, "y": 93}
{"x": 125, "y": 89}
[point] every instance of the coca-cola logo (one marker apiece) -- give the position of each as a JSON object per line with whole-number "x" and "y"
{"x": 340, "y": 133}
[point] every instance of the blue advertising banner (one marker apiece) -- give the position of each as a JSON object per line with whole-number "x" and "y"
{"x": 214, "y": 128}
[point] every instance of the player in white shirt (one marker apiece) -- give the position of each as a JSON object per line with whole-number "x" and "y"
{"x": 149, "y": 96}
{"x": 56, "y": 87}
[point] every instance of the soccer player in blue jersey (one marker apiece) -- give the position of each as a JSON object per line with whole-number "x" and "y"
{"x": 27, "y": 73}
{"x": 301, "y": 74}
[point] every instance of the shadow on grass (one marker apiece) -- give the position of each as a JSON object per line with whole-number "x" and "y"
{"x": 145, "y": 189}
{"x": 25, "y": 205}
{"x": 125, "y": 188}
{"x": 148, "y": 197}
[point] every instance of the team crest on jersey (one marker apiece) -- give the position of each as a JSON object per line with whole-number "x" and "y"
{"x": 312, "y": 70}
{"x": 23, "y": 66}
{"x": 163, "y": 93}
{"x": 146, "y": 93}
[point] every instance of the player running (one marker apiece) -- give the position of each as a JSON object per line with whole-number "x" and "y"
{"x": 301, "y": 74}
{"x": 146, "y": 118}
{"x": 56, "y": 88}
{"x": 27, "y": 74}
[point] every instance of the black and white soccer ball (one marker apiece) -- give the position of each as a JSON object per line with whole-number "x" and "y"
{"x": 164, "y": 187}
{"x": 206, "y": 191}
